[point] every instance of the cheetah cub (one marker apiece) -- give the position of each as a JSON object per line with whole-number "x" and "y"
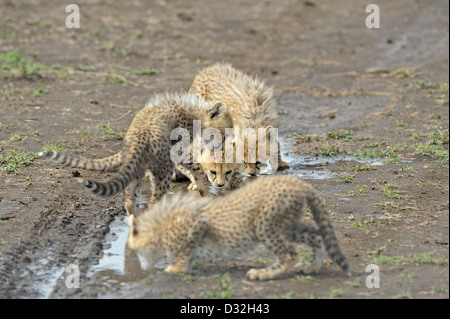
{"x": 250, "y": 103}
{"x": 220, "y": 173}
{"x": 265, "y": 211}
{"x": 147, "y": 146}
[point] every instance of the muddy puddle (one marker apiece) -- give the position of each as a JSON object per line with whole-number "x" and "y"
{"x": 119, "y": 264}
{"x": 46, "y": 276}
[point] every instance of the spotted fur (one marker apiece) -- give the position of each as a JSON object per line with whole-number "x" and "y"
{"x": 250, "y": 103}
{"x": 147, "y": 146}
{"x": 220, "y": 173}
{"x": 266, "y": 211}
{"x": 111, "y": 163}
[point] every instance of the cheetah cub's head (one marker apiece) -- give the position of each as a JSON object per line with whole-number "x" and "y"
{"x": 219, "y": 172}
{"x": 144, "y": 241}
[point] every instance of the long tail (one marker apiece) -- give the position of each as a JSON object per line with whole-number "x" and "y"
{"x": 132, "y": 168}
{"x": 326, "y": 230}
{"x": 111, "y": 163}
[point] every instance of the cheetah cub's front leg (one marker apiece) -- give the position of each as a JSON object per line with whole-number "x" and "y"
{"x": 195, "y": 229}
{"x": 198, "y": 178}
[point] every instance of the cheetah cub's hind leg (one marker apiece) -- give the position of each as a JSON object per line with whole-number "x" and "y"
{"x": 310, "y": 236}
{"x": 269, "y": 232}
{"x": 161, "y": 176}
{"x": 133, "y": 193}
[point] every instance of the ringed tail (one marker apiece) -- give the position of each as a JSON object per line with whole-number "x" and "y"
{"x": 111, "y": 163}
{"x": 326, "y": 231}
{"x": 131, "y": 169}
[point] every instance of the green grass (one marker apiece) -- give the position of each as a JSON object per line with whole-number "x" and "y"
{"x": 373, "y": 151}
{"x": 16, "y": 137}
{"x": 360, "y": 225}
{"x": 15, "y": 160}
{"x": 108, "y": 131}
{"x": 389, "y": 192}
{"x": 336, "y": 292}
{"x": 39, "y": 91}
{"x": 120, "y": 54}
{"x": 389, "y": 260}
{"x": 377, "y": 251}
{"x": 354, "y": 284}
{"x": 436, "y": 146}
{"x": 361, "y": 168}
{"x": 346, "y": 179}
{"x": 408, "y": 276}
{"x": 362, "y": 189}
{"x": 403, "y": 208}
{"x": 46, "y": 23}
{"x": 331, "y": 151}
{"x": 85, "y": 68}
{"x": 112, "y": 80}
{"x": 434, "y": 117}
{"x": 111, "y": 132}
{"x": 13, "y": 64}
{"x": 346, "y": 136}
{"x": 145, "y": 71}
{"x": 52, "y": 147}
{"x": 364, "y": 154}
{"x": 417, "y": 259}
{"x": 443, "y": 87}
{"x": 223, "y": 287}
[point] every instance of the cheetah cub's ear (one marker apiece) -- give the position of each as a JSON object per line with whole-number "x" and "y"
{"x": 217, "y": 108}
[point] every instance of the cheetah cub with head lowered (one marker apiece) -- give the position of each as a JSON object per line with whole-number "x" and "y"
{"x": 220, "y": 174}
{"x": 265, "y": 211}
{"x": 250, "y": 103}
{"x": 147, "y": 146}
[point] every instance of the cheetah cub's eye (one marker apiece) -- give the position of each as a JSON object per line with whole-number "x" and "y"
{"x": 213, "y": 172}
{"x": 229, "y": 172}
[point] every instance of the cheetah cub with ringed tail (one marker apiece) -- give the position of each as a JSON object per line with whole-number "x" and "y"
{"x": 265, "y": 211}
{"x": 147, "y": 146}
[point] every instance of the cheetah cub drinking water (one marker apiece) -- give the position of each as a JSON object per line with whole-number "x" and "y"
{"x": 220, "y": 174}
{"x": 147, "y": 146}
{"x": 265, "y": 211}
{"x": 250, "y": 103}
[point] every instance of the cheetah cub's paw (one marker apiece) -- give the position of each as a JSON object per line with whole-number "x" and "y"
{"x": 258, "y": 274}
{"x": 193, "y": 186}
{"x": 282, "y": 165}
{"x": 174, "y": 269}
